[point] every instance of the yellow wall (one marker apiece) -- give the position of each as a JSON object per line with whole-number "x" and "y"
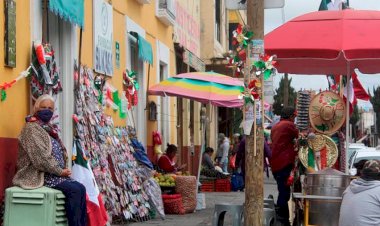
{"x": 145, "y": 16}
{"x": 14, "y": 109}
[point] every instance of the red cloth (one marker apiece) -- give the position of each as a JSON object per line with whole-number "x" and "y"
{"x": 96, "y": 214}
{"x": 359, "y": 91}
{"x": 166, "y": 164}
{"x": 283, "y": 135}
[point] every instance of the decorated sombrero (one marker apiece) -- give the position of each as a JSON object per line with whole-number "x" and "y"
{"x": 327, "y": 112}
{"x": 318, "y": 152}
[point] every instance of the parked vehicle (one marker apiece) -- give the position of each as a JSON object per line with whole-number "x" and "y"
{"x": 360, "y": 154}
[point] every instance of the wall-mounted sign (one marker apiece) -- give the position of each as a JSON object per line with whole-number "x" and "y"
{"x": 194, "y": 61}
{"x": 242, "y": 4}
{"x": 117, "y": 54}
{"x": 10, "y": 33}
{"x": 103, "y": 32}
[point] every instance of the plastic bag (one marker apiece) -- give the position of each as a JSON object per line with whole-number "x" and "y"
{"x": 231, "y": 161}
{"x": 237, "y": 182}
{"x": 153, "y": 190}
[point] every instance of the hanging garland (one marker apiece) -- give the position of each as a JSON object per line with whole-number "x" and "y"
{"x": 7, "y": 85}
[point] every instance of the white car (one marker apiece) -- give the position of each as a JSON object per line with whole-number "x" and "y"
{"x": 360, "y": 154}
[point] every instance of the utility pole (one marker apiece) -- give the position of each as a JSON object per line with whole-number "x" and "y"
{"x": 254, "y": 180}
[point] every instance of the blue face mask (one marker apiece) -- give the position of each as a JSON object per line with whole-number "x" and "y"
{"x": 45, "y": 115}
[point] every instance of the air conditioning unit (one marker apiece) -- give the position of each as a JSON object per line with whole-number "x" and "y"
{"x": 165, "y": 11}
{"x": 144, "y": 1}
{"x": 37, "y": 207}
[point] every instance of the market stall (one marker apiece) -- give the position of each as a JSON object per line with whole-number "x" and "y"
{"x": 299, "y": 50}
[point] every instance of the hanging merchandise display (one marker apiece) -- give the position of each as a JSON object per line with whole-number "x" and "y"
{"x": 44, "y": 75}
{"x": 303, "y": 103}
{"x": 110, "y": 153}
{"x": 131, "y": 86}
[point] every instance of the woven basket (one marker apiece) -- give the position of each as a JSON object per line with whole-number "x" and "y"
{"x": 187, "y": 187}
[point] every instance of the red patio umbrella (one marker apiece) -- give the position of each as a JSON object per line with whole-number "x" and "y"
{"x": 327, "y": 42}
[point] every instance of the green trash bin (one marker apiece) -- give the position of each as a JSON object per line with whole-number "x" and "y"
{"x": 38, "y": 207}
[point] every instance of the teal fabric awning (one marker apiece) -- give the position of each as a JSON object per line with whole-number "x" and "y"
{"x": 145, "y": 50}
{"x": 70, "y": 10}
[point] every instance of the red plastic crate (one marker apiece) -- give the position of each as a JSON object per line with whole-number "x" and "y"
{"x": 208, "y": 186}
{"x": 223, "y": 185}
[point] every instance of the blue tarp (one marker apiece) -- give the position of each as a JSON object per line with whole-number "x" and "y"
{"x": 140, "y": 154}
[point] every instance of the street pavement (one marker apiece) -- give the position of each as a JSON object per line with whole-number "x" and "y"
{"x": 204, "y": 217}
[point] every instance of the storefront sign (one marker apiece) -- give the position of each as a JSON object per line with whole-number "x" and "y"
{"x": 10, "y": 33}
{"x": 103, "y": 32}
{"x": 117, "y": 54}
{"x": 192, "y": 60}
{"x": 242, "y": 4}
{"x": 187, "y": 27}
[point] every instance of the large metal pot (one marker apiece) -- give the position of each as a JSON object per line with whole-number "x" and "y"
{"x": 327, "y": 182}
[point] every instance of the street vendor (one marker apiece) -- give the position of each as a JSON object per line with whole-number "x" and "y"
{"x": 166, "y": 162}
{"x": 283, "y": 135}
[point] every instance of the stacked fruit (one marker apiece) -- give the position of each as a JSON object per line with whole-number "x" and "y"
{"x": 165, "y": 180}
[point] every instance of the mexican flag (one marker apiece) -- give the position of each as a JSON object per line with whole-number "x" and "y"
{"x": 81, "y": 172}
{"x": 333, "y": 5}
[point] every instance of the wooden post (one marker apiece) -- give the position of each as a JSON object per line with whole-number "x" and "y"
{"x": 254, "y": 179}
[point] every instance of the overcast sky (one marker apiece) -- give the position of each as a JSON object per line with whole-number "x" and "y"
{"x": 294, "y": 8}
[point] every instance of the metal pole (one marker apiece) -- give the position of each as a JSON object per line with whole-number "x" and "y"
{"x": 348, "y": 85}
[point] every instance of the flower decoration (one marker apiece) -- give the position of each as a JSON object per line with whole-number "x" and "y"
{"x": 242, "y": 36}
{"x": 130, "y": 79}
{"x": 265, "y": 66}
{"x": 236, "y": 58}
{"x": 252, "y": 92}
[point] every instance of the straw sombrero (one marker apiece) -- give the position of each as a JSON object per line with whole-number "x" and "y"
{"x": 327, "y": 112}
{"x": 317, "y": 144}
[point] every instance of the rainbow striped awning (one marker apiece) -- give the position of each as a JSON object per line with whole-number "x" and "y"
{"x": 205, "y": 87}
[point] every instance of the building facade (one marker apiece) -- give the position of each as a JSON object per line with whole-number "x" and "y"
{"x": 150, "y": 21}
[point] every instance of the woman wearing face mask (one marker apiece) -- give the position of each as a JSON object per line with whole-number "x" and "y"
{"x": 42, "y": 161}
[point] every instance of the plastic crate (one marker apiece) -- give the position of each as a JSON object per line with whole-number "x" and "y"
{"x": 208, "y": 186}
{"x": 223, "y": 185}
{"x": 38, "y": 207}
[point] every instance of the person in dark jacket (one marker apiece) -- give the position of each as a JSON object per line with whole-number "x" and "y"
{"x": 206, "y": 158}
{"x": 283, "y": 136}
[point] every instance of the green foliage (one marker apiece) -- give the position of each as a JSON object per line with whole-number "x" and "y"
{"x": 279, "y": 97}
{"x": 354, "y": 119}
{"x": 375, "y": 101}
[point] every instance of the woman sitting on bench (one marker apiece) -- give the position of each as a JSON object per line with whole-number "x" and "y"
{"x": 42, "y": 161}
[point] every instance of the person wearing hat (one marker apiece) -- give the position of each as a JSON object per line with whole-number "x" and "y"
{"x": 283, "y": 136}
{"x": 361, "y": 199}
